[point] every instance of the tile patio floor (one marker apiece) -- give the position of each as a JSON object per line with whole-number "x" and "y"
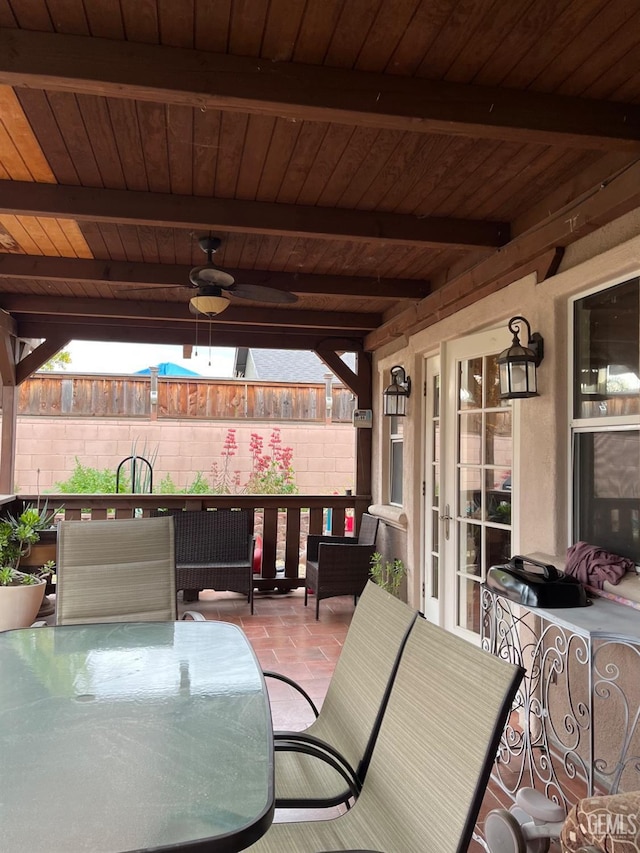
{"x": 287, "y": 638}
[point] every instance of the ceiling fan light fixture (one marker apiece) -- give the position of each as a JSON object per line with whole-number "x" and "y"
{"x": 209, "y": 305}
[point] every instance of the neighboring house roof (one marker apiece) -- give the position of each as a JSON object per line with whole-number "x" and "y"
{"x": 273, "y": 365}
{"x": 168, "y": 368}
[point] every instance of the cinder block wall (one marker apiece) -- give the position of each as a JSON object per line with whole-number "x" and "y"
{"x": 46, "y": 450}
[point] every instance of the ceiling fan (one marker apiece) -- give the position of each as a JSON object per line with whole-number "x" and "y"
{"x": 214, "y": 285}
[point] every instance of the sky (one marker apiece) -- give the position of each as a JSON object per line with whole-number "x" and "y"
{"x": 91, "y": 357}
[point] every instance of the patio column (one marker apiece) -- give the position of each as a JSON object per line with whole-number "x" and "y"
{"x": 8, "y": 439}
{"x": 360, "y": 384}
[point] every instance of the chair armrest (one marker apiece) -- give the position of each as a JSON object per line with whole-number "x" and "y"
{"x": 315, "y": 743}
{"x": 194, "y": 616}
{"x": 355, "y": 554}
{"x": 279, "y": 677}
{"x": 315, "y": 540}
{"x": 316, "y": 748}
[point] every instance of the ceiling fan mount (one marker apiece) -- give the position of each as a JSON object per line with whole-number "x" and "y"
{"x": 209, "y": 245}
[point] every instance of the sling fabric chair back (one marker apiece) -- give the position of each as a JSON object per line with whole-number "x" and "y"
{"x": 352, "y": 708}
{"x": 431, "y": 760}
{"x": 116, "y": 571}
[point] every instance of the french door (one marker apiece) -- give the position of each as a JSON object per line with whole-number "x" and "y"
{"x": 469, "y": 480}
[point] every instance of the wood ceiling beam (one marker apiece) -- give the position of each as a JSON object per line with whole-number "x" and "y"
{"x": 178, "y": 312}
{"x": 197, "y": 213}
{"x": 119, "y": 332}
{"x": 533, "y": 251}
{"x": 344, "y": 373}
{"x": 145, "y": 72}
{"x": 37, "y": 357}
{"x": 121, "y": 273}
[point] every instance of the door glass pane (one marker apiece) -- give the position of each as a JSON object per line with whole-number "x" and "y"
{"x": 497, "y": 497}
{"x": 436, "y": 441}
{"x": 436, "y": 484}
{"x": 498, "y": 441}
{"x": 492, "y": 384}
{"x": 435, "y": 526}
{"x": 470, "y": 384}
{"x": 498, "y": 546}
{"x": 470, "y": 493}
{"x": 607, "y": 352}
{"x": 436, "y": 396}
{"x": 470, "y": 438}
{"x": 435, "y": 586}
{"x": 469, "y": 604}
{"x": 470, "y": 548}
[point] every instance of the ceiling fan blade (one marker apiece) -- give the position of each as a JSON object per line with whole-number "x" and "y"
{"x": 210, "y": 275}
{"x": 151, "y": 287}
{"x": 261, "y": 293}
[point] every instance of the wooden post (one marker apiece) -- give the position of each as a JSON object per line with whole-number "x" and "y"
{"x": 8, "y": 439}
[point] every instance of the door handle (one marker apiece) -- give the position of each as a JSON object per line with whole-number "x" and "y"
{"x": 447, "y": 521}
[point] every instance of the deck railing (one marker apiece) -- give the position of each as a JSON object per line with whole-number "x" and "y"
{"x": 281, "y": 521}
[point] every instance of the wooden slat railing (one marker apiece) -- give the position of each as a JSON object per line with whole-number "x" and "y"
{"x": 281, "y": 520}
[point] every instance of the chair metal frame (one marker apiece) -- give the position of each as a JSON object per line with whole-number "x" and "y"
{"x": 352, "y": 710}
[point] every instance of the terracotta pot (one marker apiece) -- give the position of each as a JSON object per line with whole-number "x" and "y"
{"x": 19, "y": 605}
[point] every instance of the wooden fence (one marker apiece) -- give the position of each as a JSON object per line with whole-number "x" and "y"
{"x": 184, "y": 398}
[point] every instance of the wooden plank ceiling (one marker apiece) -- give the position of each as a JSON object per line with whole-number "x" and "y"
{"x": 385, "y": 160}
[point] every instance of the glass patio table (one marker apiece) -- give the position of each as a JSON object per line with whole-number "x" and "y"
{"x": 133, "y": 736}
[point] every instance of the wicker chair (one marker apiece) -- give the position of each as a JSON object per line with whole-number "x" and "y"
{"x": 432, "y": 758}
{"x": 116, "y": 571}
{"x": 340, "y": 565}
{"x": 214, "y": 550}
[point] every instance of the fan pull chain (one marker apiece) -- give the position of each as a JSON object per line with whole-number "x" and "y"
{"x": 196, "y": 346}
{"x": 209, "y": 342}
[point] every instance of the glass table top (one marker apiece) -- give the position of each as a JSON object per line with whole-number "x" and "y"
{"x": 133, "y": 736}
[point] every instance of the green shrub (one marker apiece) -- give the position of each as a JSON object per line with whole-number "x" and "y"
{"x": 198, "y": 486}
{"x": 387, "y": 574}
{"x": 87, "y": 481}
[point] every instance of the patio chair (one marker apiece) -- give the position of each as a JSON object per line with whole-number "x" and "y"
{"x": 214, "y": 550}
{"x": 352, "y": 709}
{"x": 340, "y": 565}
{"x": 116, "y": 571}
{"x": 431, "y": 760}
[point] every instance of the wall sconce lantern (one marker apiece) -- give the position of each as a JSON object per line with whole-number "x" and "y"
{"x": 518, "y": 364}
{"x": 395, "y": 396}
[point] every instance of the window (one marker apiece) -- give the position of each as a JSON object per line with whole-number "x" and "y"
{"x": 396, "y": 460}
{"x": 606, "y": 419}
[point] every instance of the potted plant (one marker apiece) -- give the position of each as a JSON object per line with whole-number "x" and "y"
{"x": 387, "y": 574}
{"x": 21, "y": 593}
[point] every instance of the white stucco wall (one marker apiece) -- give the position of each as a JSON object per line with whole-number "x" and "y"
{"x": 541, "y": 470}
